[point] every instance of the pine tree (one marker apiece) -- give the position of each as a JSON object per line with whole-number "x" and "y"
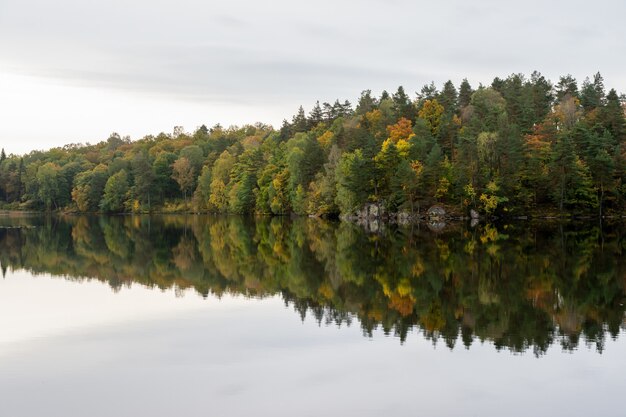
{"x": 542, "y": 97}
{"x": 567, "y": 86}
{"x": 402, "y": 105}
{"x": 299, "y": 122}
{"x": 613, "y": 117}
{"x": 465, "y": 93}
{"x": 366, "y": 103}
{"x": 449, "y": 98}
{"x": 315, "y": 116}
{"x": 592, "y": 93}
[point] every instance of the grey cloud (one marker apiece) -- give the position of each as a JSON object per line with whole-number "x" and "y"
{"x": 287, "y": 51}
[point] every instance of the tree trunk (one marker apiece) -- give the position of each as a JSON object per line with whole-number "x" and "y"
{"x": 562, "y": 191}
{"x": 601, "y": 198}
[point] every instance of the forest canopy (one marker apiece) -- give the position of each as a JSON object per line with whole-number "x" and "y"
{"x": 521, "y": 145}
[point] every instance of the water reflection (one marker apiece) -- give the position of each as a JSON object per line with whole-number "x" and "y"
{"x": 520, "y": 287}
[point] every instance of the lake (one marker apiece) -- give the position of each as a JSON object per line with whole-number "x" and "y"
{"x": 233, "y": 316}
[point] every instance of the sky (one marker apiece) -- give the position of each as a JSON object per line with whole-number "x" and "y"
{"x": 74, "y": 71}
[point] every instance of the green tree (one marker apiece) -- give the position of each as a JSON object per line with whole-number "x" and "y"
{"x": 402, "y": 105}
{"x": 89, "y": 187}
{"x": 48, "y": 184}
{"x": 354, "y": 176}
{"x": 165, "y": 186}
{"x": 465, "y": 93}
{"x": 144, "y": 179}
{"x": 203, "y": 190}
{"x": 115, "y": 193}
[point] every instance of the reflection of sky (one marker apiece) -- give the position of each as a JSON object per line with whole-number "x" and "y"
{"x": 33, "y": 307}
{"x": 144, "y": 352}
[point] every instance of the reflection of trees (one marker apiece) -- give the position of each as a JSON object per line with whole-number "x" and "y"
{"x": 519, "y": 287}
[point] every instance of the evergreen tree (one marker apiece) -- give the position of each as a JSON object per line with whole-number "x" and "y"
{"x": 316, "y": 115}
{"x": 449, "y": 98}
{"x": 366, "y": 103}
{"x": 402, "y": 105}
{"x": 592, "y": 93}
{"x": 299, "y": 121}
{"x": 613, "y": 117}
{"x": 567, "y": 86}
{"x": 542, "y": 96}
{"x": 465, "y": 93}
{"x": 428, "y": 92}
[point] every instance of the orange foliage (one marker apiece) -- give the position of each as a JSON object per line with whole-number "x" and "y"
{"x": 403, "y": 130}
{"x": 402, "y": 304}
{"x": 326, "y": 138}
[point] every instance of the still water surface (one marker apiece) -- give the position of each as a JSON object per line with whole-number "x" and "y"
{"x": 175, "y": 315}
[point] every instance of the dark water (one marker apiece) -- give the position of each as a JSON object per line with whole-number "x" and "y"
{"x": 234, "y": 316}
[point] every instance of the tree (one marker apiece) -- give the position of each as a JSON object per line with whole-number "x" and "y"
{"x": 242, "y": 194}
{"x": 89, "y": 187}
{"x": 354, "y": 176}
{"x": 3, "y": 156}
{"x": 489, "y": 109}
{"x": 386, "y": 163}
{"x": 465, "y": 93}
{"x": 144, "y": 178}
{"x": 220, "y": 178}
{"x": 194, "y": 155}
{"x": 487, "y": 150}
{"x": 567, "y": 112}
{"x": 165, "y": 186}
{"x": 299, "y": 121}
{"x": 567, "y": 87}
{"x": 366, "y": 103}
{"x": 402, "y": 105}
{"x": 323, "y": 190}
{"x": 541, "y": 95}
{"x": 449, "y": 98}
{"x": 405, "y": 184}
{"x": 613, "y": 117}
{"x": 316, "y": 115}
{"x": 432, "y": 112}
{"x": 115, "y": 193}
{"x": 592, "y": 94}
{"x": 573, "y": 187}
{"x": 428, "y": 92}
{"x": 48, "y": 183}
{"x": 203, "y": 191}
{"x": 183, "y": 174}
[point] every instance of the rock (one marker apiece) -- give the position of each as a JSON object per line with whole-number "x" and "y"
{"x": 404, "y": 218}
{"x": 436, "y": 226}
{"x": 436, "y": 213}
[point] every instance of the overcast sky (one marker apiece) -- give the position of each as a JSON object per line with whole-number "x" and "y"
{"x": 77, "y": 70}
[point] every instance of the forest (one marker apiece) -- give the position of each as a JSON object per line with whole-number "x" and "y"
{"x": 520, "y": 146}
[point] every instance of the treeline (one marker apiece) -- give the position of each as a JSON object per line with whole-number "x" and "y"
{"x": 519, "y": 146}
{"x": 517, "y": 287}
